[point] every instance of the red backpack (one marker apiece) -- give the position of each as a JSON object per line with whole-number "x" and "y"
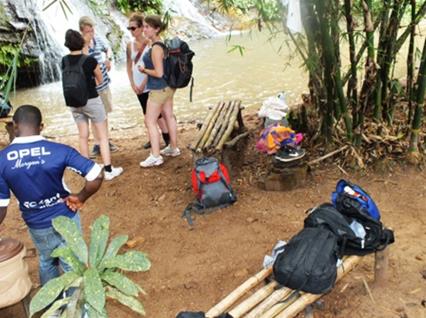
{"x": 212, "y": 186}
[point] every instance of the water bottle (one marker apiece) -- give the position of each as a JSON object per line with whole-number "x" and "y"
{"x": 359, "y": 231}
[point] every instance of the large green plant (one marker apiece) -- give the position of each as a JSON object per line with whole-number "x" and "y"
{"x": 96, "y": 272}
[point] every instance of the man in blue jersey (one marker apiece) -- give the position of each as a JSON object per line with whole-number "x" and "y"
{"x": 33, "y": 169}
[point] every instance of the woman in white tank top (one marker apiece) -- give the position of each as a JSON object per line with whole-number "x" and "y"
{"x": 135, "y": 50}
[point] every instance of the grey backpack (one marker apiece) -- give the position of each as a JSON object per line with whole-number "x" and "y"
{"x": 212, "y": 186}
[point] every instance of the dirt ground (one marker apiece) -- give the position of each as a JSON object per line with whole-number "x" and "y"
{"x": 194, "y": 269}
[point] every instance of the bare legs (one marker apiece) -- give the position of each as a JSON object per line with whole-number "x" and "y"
{"x": 101, "y": 132}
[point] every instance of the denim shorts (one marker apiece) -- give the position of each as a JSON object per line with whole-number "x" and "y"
{"x": 93, "y": 111}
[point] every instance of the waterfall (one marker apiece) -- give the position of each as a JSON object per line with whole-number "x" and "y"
{"x": 47, "y": 29}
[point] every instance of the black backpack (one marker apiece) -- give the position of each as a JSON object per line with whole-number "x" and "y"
{"x": 74, "y": 83}
{"x": 326, "y": 216}
{"x": 178, "y": 65}
{"x": 377, "y": 236}
{"x": 308, "y": 262}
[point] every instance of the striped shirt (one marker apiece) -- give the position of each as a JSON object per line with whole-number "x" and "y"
{"x": 95, "y": 50}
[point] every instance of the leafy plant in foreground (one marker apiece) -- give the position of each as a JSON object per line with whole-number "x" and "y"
{"x": 96, "y": 272}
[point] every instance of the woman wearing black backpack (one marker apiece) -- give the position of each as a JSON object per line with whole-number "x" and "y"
{"x": 80, "y": 73}
{"x": 160, "y": 100}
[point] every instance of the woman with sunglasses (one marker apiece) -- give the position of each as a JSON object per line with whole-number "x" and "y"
{"x": 160, "y": 100}
{"x": 135, "y": 50}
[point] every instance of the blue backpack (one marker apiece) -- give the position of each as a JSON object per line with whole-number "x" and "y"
{"x": 349, "y": 196}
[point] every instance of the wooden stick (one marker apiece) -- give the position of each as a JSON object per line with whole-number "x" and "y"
{"x": 312, "y": 162}
{"x": 253, "y": 300}
{"x": 306, "y": 299}
{"x": 276, "y": 297}
{"x": 224, "y": 125}
{"x": 229, "y": 129}
{"x": 219, "y": 123}
{"x": 232, "y": 143}
{"x": 204, "y": 127}
{"x": 210, "y": 126}
{"x": 238, "y": 292}
{"x": 381, "y": 265}
{"x": 370, "y": 294}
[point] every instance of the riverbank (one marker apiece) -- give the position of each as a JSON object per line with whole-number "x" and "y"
{"x": 194, "y": 269}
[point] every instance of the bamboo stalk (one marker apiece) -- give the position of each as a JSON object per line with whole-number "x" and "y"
{"x": 229, "y": 129}
{"x": 205, "y": 124}
{"x": 238, "y": 292}
{"x": 225, "y": 121}
{"x": 218, "y": 124}
{"x": 210, "y": 126}
{"x": 279, "y": 307}
{"x": 264, "y": 306}
{"x": 305, "y": 299}
{"x": 253, "y": 300}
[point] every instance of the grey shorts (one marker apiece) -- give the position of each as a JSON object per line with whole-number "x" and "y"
{"x": 93, "y": 111}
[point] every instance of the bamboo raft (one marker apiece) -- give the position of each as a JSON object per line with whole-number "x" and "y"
{"x": 220, "y": 129}
{"x": 271, "y": 300}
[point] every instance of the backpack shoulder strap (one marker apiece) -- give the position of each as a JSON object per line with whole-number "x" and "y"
{"x": 165, "y": 49}
{"x": 82, "y": 59}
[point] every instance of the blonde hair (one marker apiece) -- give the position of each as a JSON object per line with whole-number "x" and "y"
{"x": 137, "y": 17}
{"x": 85, "y": 20}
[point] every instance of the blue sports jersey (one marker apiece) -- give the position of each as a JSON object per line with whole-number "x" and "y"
{"x": 33, "y": 168}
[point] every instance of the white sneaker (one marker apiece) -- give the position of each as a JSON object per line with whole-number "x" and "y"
{"x": 151, "y": 161}
{"x": 115, "y": 172}
{"x": 170, "y": 152}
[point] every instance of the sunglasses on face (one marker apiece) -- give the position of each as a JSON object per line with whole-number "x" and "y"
{"x": 132, "y": 28}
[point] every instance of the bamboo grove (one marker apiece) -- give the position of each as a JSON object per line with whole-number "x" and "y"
{"x": 361, "y": 98}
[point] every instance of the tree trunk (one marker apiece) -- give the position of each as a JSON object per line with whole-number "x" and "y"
{"x": 410, "y": 58}
{"x": 420, "y": 98}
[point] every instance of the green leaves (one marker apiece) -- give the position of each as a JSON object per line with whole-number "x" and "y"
{"x": 128, "y": 301}
{"x": 122, "y": 283}
{"x": 94, "y": 270}
{"x": 94, "y": 290}
{"x": 65, "y": 253}
{"x": 72, "y": 236}
{"x": 98, "y": 240}
{"x": 131, "y": 261}
{"x": 50, "y": 291}
{"x": 116, "y": 243}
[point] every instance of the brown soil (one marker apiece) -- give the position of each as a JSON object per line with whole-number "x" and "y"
{"x": 194, "y": 269}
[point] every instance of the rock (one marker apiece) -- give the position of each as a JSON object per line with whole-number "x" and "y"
{"x": 241, "y": 273}
{"x": 423, "y": 273}
{"x": 251, "y": 220}
{"x": 418, "y": 257}
{"x": 135, "y": 241}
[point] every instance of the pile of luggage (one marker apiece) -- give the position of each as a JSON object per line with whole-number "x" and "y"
{"x": 350, "y": 225}
{"x": 313, "y": 259}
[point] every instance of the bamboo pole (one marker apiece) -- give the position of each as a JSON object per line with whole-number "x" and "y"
{"x": 381, "y": 264}
{"x": 210, "y": 126}
{"x": 224, "y": 126}
{"x": 229, "y": 129}
{"x": 205, "y": 124}
{"x": 264, "y": 306}
{"x": 279, "y": 307}
{"x": 217, "y": 126}
{"x": 312, "y": 162}
{"x": 305, "y": 299}
{"x": 238, "y": 292}
{"x": 253, "y": 300}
